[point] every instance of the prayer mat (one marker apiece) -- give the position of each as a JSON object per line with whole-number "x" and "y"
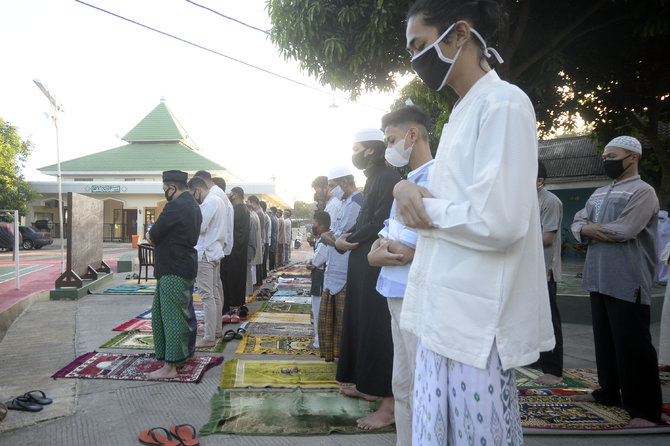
{"x": 145, "y": 315}
{"x": 281, "y": 318}
{"x": 277, "y": 329}
{"x": 277, "y": 345}
{"x": 143, "y": 325}
{"x": 133, "y": 367}
{"x": 243, "y": 373}
{"x": 285, "y": 293}
{"x": 554, "y": 415}
{"x": 199, "y": 314}
{"x": 526, "y": 375}
{"x": 302, "y": 300}
{"x": 145, "y": 341}
{"x": 285, "y": 307}
{"x": 128, "y": 289}
{"x": 284, "y": 412}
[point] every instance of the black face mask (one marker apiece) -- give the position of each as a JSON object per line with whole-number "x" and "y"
{"x": 359, "y": 160}
{"x": 169, "y": 196}
{"x": 614, "y": 168}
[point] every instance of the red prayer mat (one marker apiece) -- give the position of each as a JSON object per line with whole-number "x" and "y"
{"x": 143, "y": 325}
{"x": 133, "y": 367}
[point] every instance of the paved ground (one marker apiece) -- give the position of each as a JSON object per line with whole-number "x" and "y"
{"x": 49, "y": 334}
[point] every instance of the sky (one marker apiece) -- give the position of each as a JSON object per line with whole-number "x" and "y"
{"x": 108, "y": 74}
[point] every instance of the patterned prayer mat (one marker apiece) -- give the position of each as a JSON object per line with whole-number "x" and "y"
{"x": 572, "y": 382}
{"x": 281, "y": 318}
{"x": 282, "y": 412}
{"x": 128, "y": 289}
{"x": 145, "y": 341}
{"x": 285, "y": 307}
{"x": 285, "y": 293}
{"x": 277, "y": 345}
{"x": 143, "y": 325}
{"x": 553, "y": 415}
{"x": 199, "y": 314}
{"x": 290, "y": 272}
{"x": 133, "y": 367}
{"x": 281, "y": 374}
{"x": 278, "y": 329}
{"x": 301, "y": 300}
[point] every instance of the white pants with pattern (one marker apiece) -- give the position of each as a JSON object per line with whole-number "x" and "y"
{"x": 457, "y": 404}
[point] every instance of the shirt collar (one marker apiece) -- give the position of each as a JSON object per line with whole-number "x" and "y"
{"x": 420, "y": 168}
{"x": 483, "y": 83}
{"x": 627, "y": 180}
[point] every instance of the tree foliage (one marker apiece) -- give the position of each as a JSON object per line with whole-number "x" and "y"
{"x": 15, "y": 192}
{"x": 302, "y": 211}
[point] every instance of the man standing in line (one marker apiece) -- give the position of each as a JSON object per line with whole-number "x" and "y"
{"x": 256, "y": 206}
{"x": 619, "y": 224}
{"x": 174, "y": 236}
{"x": 210, "y": 253}
{"x": 551, "y": 216}
{"x": 320, "y": 186}
{"x": 219, "y": 191}
{"x": 281, "y": 238}
{"x": 255, "y": 254}
{"x": 266, "y": 241}
{"x": 289, "y": 236}
{"x": 273, "y": 238}
{"x": 235, "y": 265}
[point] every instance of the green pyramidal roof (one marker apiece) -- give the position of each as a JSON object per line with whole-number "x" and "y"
{"x": 159, "y": 125}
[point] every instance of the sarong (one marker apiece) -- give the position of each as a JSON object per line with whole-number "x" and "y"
{"x": 331, "y": 314}
{"x": 170, "y": 319}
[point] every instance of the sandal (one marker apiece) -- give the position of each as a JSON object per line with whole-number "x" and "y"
{"x": 243, "y": 313}
{"x": 234, "y": 318}
{"x": 240, "y": 333}
{"x": 226, "y": 318}
{"x": 41, "y": 400}
{"x": 151, "y": 437}
{"x": 186, "y": 434}
{"x": 229, "y": 336}
{"x": 24, "y": 404}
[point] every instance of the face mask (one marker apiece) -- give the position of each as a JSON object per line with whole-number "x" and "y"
{"x": 397, "y": 155}
{"x": 359, "y": 160}
{"x": 614, "y": 168}
{"x": 337, "y": 192}
{"x": 433, "y": 67}
{"x": 169, "y": 196}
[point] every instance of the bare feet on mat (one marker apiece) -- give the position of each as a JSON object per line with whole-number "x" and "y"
{"x": 352, "y": 392}
{"x": 548, "y": 380}
{"x": 165, "y": 372}
{"x": 382, "y": 418}
{"x": 585, "y": 398}
{"x": 205, "y": 344}
{"x": 664, "y": 368}
{"x": 640, "y": 422}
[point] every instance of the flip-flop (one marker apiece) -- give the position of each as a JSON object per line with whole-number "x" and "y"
{"x": 228, "y": 336}
{"x": 24, "y": 404}
{"x": 240, "y": 333}
{"x": 41, "y": 400}
{"x": 151, "y": 437}
{"x": 234, "y": 319}
{"x": 243, "y": 312}
{"x": 186, "y": 434}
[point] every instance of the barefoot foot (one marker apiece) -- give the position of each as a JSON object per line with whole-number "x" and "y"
{"x": 165, "y": 372}
{"x": 585, "y": 398}
{"x": 205, "y": 344}
{"x": 383, "y": 417}
{"x": 353, "y": 393}
{"x": 548, "y": 380}
{"x": 640, "y": 422}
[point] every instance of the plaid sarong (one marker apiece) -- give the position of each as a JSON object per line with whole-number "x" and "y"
{"x": 331, "y": 313}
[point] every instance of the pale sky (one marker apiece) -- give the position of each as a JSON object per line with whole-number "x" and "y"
{"x": 109, "y": 74}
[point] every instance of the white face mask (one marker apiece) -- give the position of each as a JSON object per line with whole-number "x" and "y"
{"x": 397, "y": 155}
{"x": 337, "y": 192}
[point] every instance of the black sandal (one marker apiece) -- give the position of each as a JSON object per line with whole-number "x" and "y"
{"x": 240, "y": 333}
{"x": 229, "y": 336}
{"x": 41, "y": 400}
{"x": 24, "y": 404}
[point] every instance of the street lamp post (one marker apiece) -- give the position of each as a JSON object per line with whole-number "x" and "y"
{"x": 56, "y": 106}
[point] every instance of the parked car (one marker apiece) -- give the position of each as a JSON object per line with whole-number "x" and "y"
{"x": 34, "y": 239}
{"x": 7, "y": 237}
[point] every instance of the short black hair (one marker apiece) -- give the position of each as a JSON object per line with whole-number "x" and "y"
{"x": 197, "y": 182}
{"x": 322, "y": 218}
{"x": 238, "y": 191}
{"x": 320, "y": 182}
{"x": 273, "y": 209}
{"x": 406, "y": 116}
{"x": 219, "y": 182}
{"x": 541, "y": 170}
{"x": 264, "y": 206}
{"x": 203, "y": 174}
{"x": 289, "y": 212}
{"x": 253, "y": 199}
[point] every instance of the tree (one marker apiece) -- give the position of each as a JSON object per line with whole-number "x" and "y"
{"x": 302, "y": 211}
{"x": 15, "y": 192}
{"x": 604, "y": 59}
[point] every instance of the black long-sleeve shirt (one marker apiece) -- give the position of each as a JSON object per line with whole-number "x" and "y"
{"x": 175, "y": 235}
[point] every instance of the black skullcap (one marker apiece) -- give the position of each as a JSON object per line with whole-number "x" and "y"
{"x": 175, "y": 176}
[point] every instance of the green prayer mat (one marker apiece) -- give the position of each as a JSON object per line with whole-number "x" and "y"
{"x": 277, "y": 345}
{"x": 284, "y": 412}
{"x": 243, "y": 373}
{"x": 526, "y": 375}
{"x": 275, "y": 329}
{"x": 285, "y": 307}
{"x": 280, "y": 318}
{"x": 145, "y": 341}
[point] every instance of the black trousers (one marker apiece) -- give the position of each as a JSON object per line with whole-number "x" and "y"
{"x": 552, "y": 361}
{"x": 266, "y": 256}
{"x": 625, "y": 357}
{"x": 272, "y": 260}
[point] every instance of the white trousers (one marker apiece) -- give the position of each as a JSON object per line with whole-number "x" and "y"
{"x": 316, "y": 304}
{"x": 457, "y": 404}
{"x": 211, "y": 293}
{"x": 404, "y": 358}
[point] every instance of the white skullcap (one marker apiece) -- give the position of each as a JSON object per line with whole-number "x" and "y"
{"x": 339, "y": 172}
{"x": 626, "y": 142}
{"x": 369, "y": 135}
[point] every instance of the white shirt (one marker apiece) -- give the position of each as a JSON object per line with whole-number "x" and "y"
{"x": 212, "y": 229}
{"x": 287, "y": 227}
{"x": 268, "y": 228}
{"x": 333, "y": 207}
{"x": 479, "y": 276}
{"x": 228, "y": 221}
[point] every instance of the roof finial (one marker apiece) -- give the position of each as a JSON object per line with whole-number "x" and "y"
{"x": 162, "y": 98}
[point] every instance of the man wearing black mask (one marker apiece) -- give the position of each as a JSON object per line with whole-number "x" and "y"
{"x": 619, "y": 223}
{"x": 366, "y": 352}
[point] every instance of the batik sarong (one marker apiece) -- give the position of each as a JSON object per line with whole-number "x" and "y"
{"x": 170, "y": 319}
{"x": 331, "y": 313}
